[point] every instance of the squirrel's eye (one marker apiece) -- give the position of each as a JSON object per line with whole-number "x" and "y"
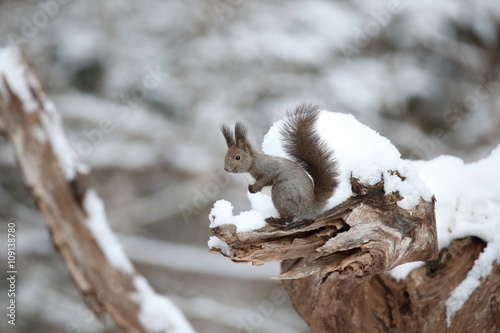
{"x": 237, "y": 157}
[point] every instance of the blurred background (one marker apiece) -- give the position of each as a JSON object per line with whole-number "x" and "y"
{"x": 144, "y": 86}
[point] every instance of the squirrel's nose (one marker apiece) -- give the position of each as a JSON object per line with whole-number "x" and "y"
{"x": 225, "y": 168}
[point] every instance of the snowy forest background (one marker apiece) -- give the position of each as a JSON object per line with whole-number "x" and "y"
{"x": 144, "y": 86}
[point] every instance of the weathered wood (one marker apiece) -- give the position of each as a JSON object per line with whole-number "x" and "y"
{"x": 330, "y": 266}
{"x": 340, "y": 302}
{"x": 333, "y": 267}
{"x": 369, "y": 231}
{"x": 273, "y": 243}
{"x": 105, "y": 287}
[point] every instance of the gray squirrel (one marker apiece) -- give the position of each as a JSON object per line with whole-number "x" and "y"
{"x": 293, "y": 192}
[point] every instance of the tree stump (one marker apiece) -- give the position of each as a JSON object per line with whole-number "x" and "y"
{"x": 75, "y": 215}
{"x": 367, "y": 234}
{"x": 333, "y": 267}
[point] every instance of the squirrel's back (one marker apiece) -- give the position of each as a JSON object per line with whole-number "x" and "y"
{"x": 302, "y": 142}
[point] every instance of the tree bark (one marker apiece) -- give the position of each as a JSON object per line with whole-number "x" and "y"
{"x": 333, "y": 267}
{"x": 378, "y": 303}
{"x": 31, "y": 124}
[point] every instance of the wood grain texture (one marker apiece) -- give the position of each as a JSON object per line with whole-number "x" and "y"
{"x": 104, "y": 288}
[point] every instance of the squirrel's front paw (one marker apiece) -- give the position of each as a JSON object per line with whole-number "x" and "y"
{"x": 251, "y": 189}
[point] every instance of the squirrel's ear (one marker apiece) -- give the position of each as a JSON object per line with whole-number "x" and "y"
{"x": 240, "y": 131}
{"x": 240, "y": 134}
{"x": 228, "y": 135}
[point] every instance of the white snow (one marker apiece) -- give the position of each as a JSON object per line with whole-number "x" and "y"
{"x": 17, "y": 76}
{"x": 157, "y": 313}
{"x": 107, "y": 241}
{"x": 400, "y": 272}
{"x": 468, "y": 200}
{"x": 21, "y": 81}
{"x": 260, "y": 201}
{"x": 358, "y": 150}
{"x": 468, "y": 204}
{"x": 222, "y": 213}
{"x": 361, "y": 152}
{"x": 68, "y": 160}
{"x": 216, "y": 243}
{"x": 481, "y": 269}
{"x": 376, "y": 83}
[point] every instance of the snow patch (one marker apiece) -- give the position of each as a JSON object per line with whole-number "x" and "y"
{"x": 98, "y": 225}
{"x": 216, "y": 243}
{"x": 157, "y": 313}
{"x": 222, "y": 213}
{"x": 22, "y": 81}
{"x": 481, "y": 269}
{"x": 468, "y": 200}
{"x": 468, "y": 204}
{"x": 362, "y": 153}
{"x": 68, "y": 160}
{"x": 18, "y": 78}
{"x": 359, "y": 152}
{"x": 401, "y": 272}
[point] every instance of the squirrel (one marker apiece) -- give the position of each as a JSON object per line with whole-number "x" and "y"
{"x": 294, "y": 194}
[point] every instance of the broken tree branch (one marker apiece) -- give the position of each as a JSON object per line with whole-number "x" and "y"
{"x": 75, "y": 215}
{"x": 368, "y": 233}
{"x": 332, "y": 260}
{"x": 333, "y": 267}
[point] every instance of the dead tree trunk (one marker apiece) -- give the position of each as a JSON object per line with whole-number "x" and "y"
{"x": 333, "y": 267}
{"x": 76, "y": 220}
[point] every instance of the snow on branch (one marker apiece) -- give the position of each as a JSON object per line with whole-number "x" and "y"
{"x": 380, "y": 216}
{"x": 75, "y": 214}
{"x": 383, "y": 214}
{"x": 468, "y": 205}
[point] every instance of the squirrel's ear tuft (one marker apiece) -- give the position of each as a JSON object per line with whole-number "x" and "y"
{"x": 240, "y": 134}
{"x": 228, "y": 135}
{"x": 240, "y": 131}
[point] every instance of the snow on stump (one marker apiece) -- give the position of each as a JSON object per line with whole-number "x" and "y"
{"x": 380, "y": 216}
{"x": 365, "y": 235}
{"x": 383, "y": 214}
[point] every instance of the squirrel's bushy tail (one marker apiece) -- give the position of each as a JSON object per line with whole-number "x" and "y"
{"x": 303, "y": 143}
